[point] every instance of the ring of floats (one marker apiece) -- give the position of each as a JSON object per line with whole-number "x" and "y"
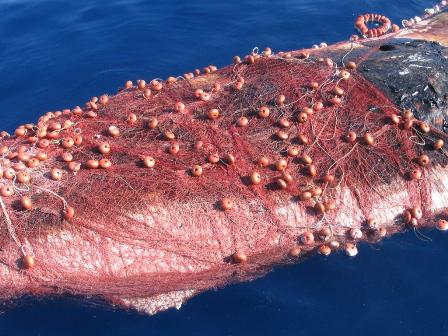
{"x": 385, "y": 25}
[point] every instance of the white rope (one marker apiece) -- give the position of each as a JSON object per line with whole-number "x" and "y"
{"x": 54, "y": 194}
{"x": 9, "y": 225}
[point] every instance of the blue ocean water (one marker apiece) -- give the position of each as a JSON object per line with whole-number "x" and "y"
{"x": 56, "y": 54}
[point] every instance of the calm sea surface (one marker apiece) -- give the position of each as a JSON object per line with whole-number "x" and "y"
{"x": 56, "y": 54}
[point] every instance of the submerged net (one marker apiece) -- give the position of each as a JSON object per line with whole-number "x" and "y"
{"x": 299, "y": 107}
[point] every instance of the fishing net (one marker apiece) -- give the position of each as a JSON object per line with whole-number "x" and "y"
{"x": 257, "y": 134}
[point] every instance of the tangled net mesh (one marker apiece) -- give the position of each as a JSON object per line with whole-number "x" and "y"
{"x": 107, "y": 201}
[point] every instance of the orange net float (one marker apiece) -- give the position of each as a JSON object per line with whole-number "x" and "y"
{"x": 385, "y": 25}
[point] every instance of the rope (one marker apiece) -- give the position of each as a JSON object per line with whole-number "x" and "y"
{"x": 9, "y": 225}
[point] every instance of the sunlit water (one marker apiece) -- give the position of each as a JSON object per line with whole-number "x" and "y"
{"x": 56, "y": 54}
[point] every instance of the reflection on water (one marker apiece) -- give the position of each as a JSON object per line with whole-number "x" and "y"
{"x": 56, "y": 54}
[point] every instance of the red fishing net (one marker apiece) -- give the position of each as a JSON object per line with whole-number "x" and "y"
{"x": 284, "y": 129}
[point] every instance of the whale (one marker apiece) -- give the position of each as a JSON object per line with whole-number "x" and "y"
{"x": 172, "y": 187}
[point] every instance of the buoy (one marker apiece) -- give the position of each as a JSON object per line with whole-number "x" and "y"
{"x": 295, "y": 251}
{"x": 28, "y": 261}
{"x": 26, "y": 202}
{"x": 442, "y": 225}
{"x": 149, "y": 161}
{"x": 307, "y": 238}
{"x": 92, "y": 164}
{"x": 213, "y": 158}
{"x": 355, "y": 233}
{"x": 196, "y": 170}
{"x": 104, "y": 148}
{"x": 226, "y": 204}
{"x": 263, "y": 112}
{"x": 255, "y": 178}
{"x": 56, "y": 174}
{"x": 69, "y": 213}
{"x": 324, "y": 250}
{"x": 242, "y": 122}
{"x": 351, "y": 250}
{"x": 239, "y": 257}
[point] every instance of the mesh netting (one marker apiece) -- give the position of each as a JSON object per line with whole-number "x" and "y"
{"x": 285, "y": 125}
